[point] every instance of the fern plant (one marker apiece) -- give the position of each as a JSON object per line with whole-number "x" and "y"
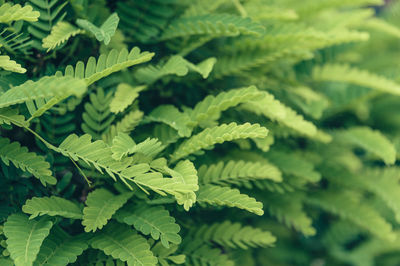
{"x": 244, "y": 132}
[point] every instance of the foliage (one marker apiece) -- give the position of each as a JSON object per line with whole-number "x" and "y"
{"x": 202, "y": 132}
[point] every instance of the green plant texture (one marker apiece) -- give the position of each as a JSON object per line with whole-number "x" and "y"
{"x": 199, "y": 132}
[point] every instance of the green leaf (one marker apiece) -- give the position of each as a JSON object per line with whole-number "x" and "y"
{"x": 124, "y": 96}
{"x": 235, "y": 235}
{"x": 348, "y": 206}
{"x": 60, "y": 249}
{"x": 268, "y": 106}
{"x": 345, "y": 73}
{"x": 100, "y": 207}
{"x": 42, "y": 90}
{"x": 26, "y": 161}
{"x": 25, "y": 237}
{"x": 9, "y": 13}
{"x": 211, "y": 107}
{"x": 217, "y": 135}
{"x": 60, "y": 33}
{"x": 124, "y": 243}
{"x": 225, "y": 196}
{"x": 157, "y": 222}
{"x": 7, "y": 64}
{"x": 53, "y": 206}
{"x": 215, "y": 25}
{"x": 176, "y": 65}
{"x": 238, "y": 172}
{"x": 370, "y": 140}
{"x": 106, "y": 30}
{"x": 171, "y": 116}
{"x": 107, "y": 64}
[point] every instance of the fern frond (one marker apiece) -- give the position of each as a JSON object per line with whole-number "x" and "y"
{"x": 123, "y": 145}
{"x": 218, "y": 135}
{"x": 211, "y": 107}
{"x": 176, "y": 65}
{"x": 25, "y": 160}
{"x": 124, "y": 243}
{"x": 145, "y": 25}
{"x": 225, "y": 196}
{"x": 170, "y": 115}
{"x": 383, "y": 182}
{"x": 198, "y": 253}
{"x": 97, "y": 117}
{"x": 370, "y": 140}
{"x": 53, "y": 206}
{"x": 10, "y": 116}
{"x": 60, "y": 33}
{"x": 107, "y": 64}
{"x": 100, "y": 207}
{"x": 124, "y": 96}
{"x": 237, "y": 172}
{"x": 60, "y": 249}
{"x": 9, "y": 13}
{"x": 268, "y": 106}
{"x": 24, "y": 237}
{"x": 7, "y": 64}
{"x": 348, "y": 74}
{"x": 181, "y": 186}
{"x": 43, "y": 94}
{"x": 287, "y": 208}
{"x": 215, "y": 25}
{"x": 157, "y": 222}
{"x": 125, "y": 125}
{"x": 99, "y": 155}
{"x": 347, "y": 205}
{"x": 382, "y": 26}
{"x": 105, "y": 31}
{"x": 293, "y": 164}
{"x": 235, "y": 235}
{"x": 51, "y": 12}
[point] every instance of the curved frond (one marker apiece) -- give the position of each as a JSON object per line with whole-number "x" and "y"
{"x": 289, "y": 210}
{"x": 100, "y": 207}
{"x": 26, "y": 161}
{"x": 124, "y": 243}
{"x": 370, "y": 140}
{"x": 292, "y": 164}
{"x": 217, "y": 135}
{"x": 225, "y": 196}
{"x": 9, "y": 13}
{"x": 238, "y": 172}
{"x": 25, "y": 237}
{"x": 176, "y": 65}
{"x": 198, "y": 253}
{"x": 107, "y": 64}
{"x": 268, "y": 106}
{"x": 53, "y": 206}
{"x": 123, "y": 145}
{"x": 60, "y": 33}
{"x": 235, "y": 235}
{"x": 124, "y": 96}
{"x": 347, "y": 205}
{"x": 49, "y": 90}
{"x": 7, "y": 64}
{"x": 105, "y": 31}
{"x": 171, "y": 116}
{"x": 60, "y": 249}
{"x": 348, "y": 74}
{"x": 211, "y": 107}
{"x": 125, "y": 125}
{"x": 157, "y": 222}
{"x": 97, "y": 117}
{"x": 215, "y": 25}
